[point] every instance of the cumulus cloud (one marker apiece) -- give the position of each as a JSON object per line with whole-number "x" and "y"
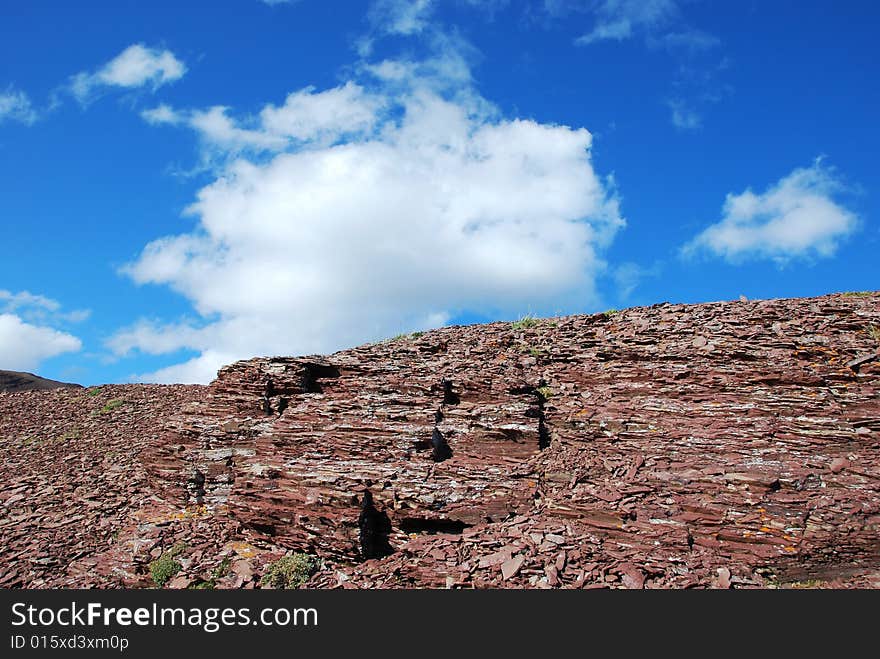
{"x": 136, "y": 66}
{"x": 322, "y": 116}
{"x": 39, "y": 308}
{"x": 306, "y": 116}
{"x": 25, "y": 339}
{"x": 15, "y": 105}
{"x": 798, "y": 217}
{"x": 389, "y": 203}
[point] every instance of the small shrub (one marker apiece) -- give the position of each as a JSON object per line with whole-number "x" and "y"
{"x": 403, "y": 337}
{"x": 609, "y": 313}
{"x": 290, "y": 571}
{"x": 165, "y": 567}
{"x": 859, "y": 293}
{"x": 544, "y": 392}
{"x": 93, "y": 391}
{"x": 525, "y": 322}
{"x": 536, "y": 352}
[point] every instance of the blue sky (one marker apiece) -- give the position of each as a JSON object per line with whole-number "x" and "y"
{"x": 183, "y": 186}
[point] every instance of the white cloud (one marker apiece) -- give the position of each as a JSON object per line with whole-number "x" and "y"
{"x": 152, "y": 338}
{"x": 216, "y": 128}
{"x": 306, "y": 116}
{"x": 136, "y": 66}
{"x": 24, "y": 346}
{"x": 796, "y": 217}
{"x": 200, "y": 369}
{"x": 38, "y": 308}
{"x": 382, "y": 205}
{"x": 162, "y": 114}
{"x": 618, "y": 20}
{"x": 10, "y": 301}
{"x": 404, "y": 17}
{"x": 322, "y": 116}
{"x": 15, "y": 105}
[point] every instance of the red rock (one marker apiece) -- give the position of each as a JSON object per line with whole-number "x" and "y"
{"x": 631, "y": 576}
{"x": 560, "y": 561}
{"x": 494, "y": 559}
{"x": 512, "y": 567}
{"x": 838, "y": 465}
{"x": 649, "y": 451}
{"x": 243, "y": 569}
{"x": 180, "y": 582}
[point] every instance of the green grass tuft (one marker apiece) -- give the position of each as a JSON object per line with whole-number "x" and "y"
{"x": 111, "y": 405}
{"x": 290, "y": 571}
{"x": 525, "y": 322}
{"x": 403, "y": 337}
{"x": 165, "y": 567}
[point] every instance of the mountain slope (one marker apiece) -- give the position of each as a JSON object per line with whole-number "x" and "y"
{"x": 18, "y": 381}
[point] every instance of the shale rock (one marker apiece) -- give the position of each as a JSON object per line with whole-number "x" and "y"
{"x": 733, "y": 444}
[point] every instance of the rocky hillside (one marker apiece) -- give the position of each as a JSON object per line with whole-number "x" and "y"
{"x": 719, "y": 445}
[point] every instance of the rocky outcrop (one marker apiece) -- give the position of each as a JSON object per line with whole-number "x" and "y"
{"x": 730, "y": 445}
{"x": 18, "y": 381}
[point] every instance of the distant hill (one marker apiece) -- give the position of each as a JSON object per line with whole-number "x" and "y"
{"x": 16, "y": 381}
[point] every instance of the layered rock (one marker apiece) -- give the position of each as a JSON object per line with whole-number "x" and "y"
{"x": 727, "y": 444}
{"x": 683, "y": 440}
